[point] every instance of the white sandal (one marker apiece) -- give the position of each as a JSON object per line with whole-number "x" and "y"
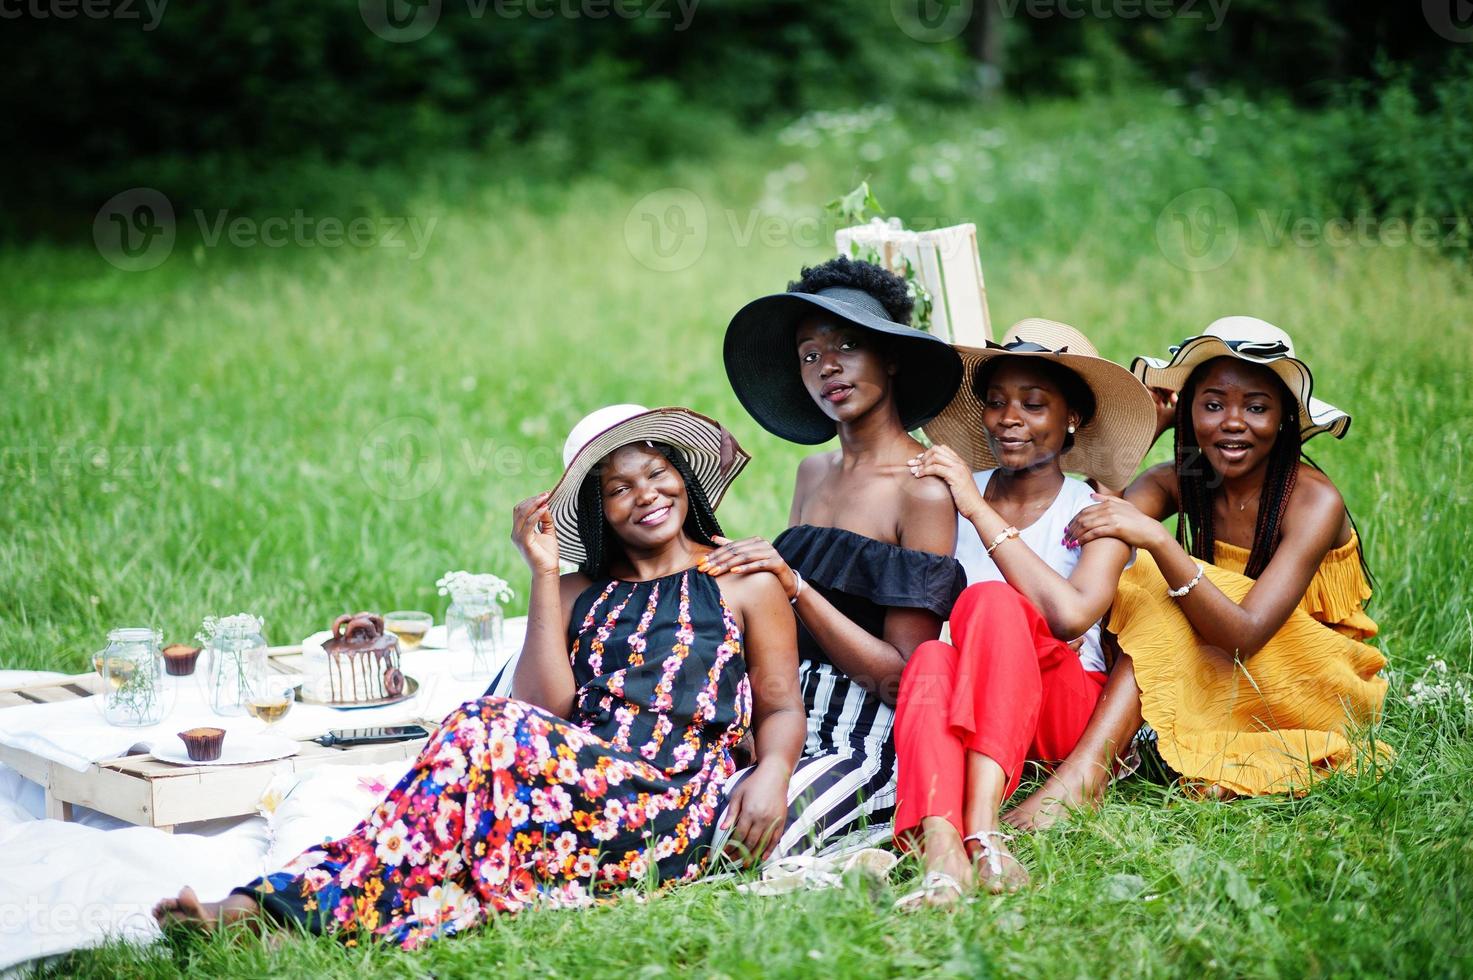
{"x": 805, "y": 871}
{"x": 988, "y": 851}
{"x": 933, "y": 884}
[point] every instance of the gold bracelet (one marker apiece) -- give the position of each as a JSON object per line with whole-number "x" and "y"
{"x": 1008, "y": 532}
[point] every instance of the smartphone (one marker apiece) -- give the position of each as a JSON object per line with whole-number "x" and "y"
{"x": 373, "y": 736}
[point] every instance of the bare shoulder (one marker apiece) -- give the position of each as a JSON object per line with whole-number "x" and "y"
{"x": 753, "y": 593}
{"x": 1316, "y": 499}
{"x": 927, "y": 520}
{"x": 814, "y": 467}
{"x": 929, "y": 492}
{"x": 1155, "y": 492}
{"x": 571, "y": 585}
{"x": 1162, "y": 475}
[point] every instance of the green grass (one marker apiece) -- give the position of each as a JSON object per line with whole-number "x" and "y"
{"x": 228, "y": 432}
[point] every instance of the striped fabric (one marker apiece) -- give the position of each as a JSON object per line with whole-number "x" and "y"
{"x": 842, "y": 794}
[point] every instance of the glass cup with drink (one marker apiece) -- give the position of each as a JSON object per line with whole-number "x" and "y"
{"x": 409, "y": 626}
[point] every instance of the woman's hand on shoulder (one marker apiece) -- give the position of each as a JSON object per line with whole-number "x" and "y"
{"x": 945, "y": 463}
{"x": 1113, "y": 517}
{"x": 755, "y": 554}
{"x": 534, "y": 534}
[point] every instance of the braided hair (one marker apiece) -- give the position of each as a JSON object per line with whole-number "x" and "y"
{"x": 599, "y": 541}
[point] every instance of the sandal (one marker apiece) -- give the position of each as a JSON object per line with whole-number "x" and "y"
{"x": 805, "y": 871}
{"x": 992, "y": 855}
{"x": 933, "y": 884}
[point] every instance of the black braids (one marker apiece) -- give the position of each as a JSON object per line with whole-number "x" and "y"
{"x": 1194, "y": 487}
{"x": 1278, "y": 486}
{"x": 593, "y": 530}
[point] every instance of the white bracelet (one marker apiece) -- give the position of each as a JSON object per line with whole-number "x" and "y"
{"x": 1006, "y": 534}
{"x": 799, "y": 590}
{"x": 1178, "y": 593}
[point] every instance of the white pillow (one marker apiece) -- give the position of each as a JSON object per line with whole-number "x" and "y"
{"x": 322, "y": 804}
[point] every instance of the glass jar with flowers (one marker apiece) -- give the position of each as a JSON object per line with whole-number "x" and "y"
{"x": 235, "y": 661}
{"x": 474, "y": 622}
{"x": 132, "y": 669}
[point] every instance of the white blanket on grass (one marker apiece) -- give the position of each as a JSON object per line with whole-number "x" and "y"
{"x": 66, "y": 886}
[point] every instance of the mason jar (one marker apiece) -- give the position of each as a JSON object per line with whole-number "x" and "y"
{"x": 235, "y": 665}
{"x": 132, "y": 670}
{"x": 475, "y": 634}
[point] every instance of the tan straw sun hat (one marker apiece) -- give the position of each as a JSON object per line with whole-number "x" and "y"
{"x": 1256, "y": 341}
{"x": 1109, "y": 447}
{"x": 605, "y": 430}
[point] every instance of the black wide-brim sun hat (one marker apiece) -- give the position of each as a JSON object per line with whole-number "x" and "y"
{"x": 761, "y": 356}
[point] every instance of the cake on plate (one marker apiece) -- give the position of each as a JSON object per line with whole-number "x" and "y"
{"x": 362, "y": 660}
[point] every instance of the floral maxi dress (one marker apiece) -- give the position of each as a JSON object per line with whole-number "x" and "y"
{"x": 510, "y": 807}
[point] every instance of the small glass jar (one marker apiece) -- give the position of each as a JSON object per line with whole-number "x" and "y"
{"x": 475, "y": 634}
{"x": 236, "y": 666}
{"x": 132, "y": 670}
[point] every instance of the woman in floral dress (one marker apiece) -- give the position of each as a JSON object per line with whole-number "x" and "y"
{"x": 638, "y": 676}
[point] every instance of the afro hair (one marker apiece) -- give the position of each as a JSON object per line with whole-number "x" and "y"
{"x": 891, "y": 290}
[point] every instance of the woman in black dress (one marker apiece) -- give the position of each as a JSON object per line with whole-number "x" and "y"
{"x": 867, "y": 557}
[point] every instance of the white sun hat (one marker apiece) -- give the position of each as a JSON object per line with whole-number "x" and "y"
{"x": 602, "y": 431}
{"x": 1256, "y": 341}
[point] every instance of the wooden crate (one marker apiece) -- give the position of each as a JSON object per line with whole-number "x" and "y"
{"x": 948, "y": 264}
{"x": 144, "y": 791}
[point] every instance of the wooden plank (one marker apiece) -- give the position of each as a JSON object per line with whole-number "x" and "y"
{"x": 929, "y": 270}
{"x": 961, "y": 270}
{"x": 33, "y": 767}
{"x": 117, "y": 794}
{"x": 57, "y": 809}
{"x": 291, "y": 664}
{"x": 65, "y": 679}
{"x": 52, "y": 693}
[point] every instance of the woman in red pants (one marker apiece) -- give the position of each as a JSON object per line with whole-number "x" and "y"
{"x": 1024, "y": 668}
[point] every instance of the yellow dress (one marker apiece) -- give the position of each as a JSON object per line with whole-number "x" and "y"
{"x": 1277, "y": 721}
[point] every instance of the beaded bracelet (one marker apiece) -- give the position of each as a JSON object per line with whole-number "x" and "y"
{"x": 1178, "y": 593}
{"x": 1006, "y": 533}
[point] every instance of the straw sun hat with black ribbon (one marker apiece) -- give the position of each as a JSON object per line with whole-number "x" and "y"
{"x": 1109, "y": 446}
{"x": 1256, "y": 341}
{"x": 607, "y": 429}
{"x": 761, "y": 355}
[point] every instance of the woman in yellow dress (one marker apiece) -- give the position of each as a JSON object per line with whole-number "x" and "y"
{"x": 1242, "y": 636}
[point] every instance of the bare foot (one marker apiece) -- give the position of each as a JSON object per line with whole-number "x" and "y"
{"x": 1068, "y": 788}
{"x": 944, "y": 852}
{"x": 997, "y": 870}
{"x": 188, "y": 910}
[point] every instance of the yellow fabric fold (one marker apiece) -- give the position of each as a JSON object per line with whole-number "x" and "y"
{"x": 1277, "y": 721}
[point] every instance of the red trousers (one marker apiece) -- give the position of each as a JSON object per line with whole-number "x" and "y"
{"x": 1004, "y": 687}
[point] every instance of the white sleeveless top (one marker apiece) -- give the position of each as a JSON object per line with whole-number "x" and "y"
{"x": 1046, "y": 537}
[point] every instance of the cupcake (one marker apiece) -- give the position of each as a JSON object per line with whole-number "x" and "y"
{"x": 203, "y": 744}
{"x": 179, "y": 659}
